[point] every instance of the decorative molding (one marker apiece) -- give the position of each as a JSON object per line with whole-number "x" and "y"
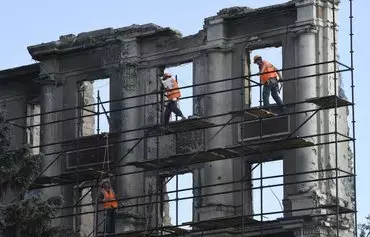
{"x": 50, "y": 79}
{"x": 311, "y": 230}
{"x": 303, "y": 29}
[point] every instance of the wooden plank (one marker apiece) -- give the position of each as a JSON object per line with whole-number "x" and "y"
{"x": 225, "y": 152}
{"x": 175, "y": 229}
{"x": 253, "y": 148}
{"x": 255, "y": 113}
{"x": 328, "y": 102}
{"x": 258, "y": 113}
{"x": 179, "y": 160}
{"x": 293, "y": 143}
{"x": 178, "y": 126}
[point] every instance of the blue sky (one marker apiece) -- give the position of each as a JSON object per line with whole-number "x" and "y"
{"x": 25, "y": 23}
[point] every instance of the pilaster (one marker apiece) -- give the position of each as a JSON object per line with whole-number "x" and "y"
{"x": 51, "y": 132}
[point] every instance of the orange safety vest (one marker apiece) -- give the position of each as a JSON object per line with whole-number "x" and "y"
{"x": 109, "y": 199}
{"x": 172, "y": 88}
{"x": 269, "y": 72}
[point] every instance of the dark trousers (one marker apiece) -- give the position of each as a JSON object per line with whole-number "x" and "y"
{"x": 110, "y": 220}
{"x": 271, "y": 87}
{"x": 171, "y": 107}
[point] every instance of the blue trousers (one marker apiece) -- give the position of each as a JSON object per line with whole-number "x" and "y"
{"x": 271, "y": 87}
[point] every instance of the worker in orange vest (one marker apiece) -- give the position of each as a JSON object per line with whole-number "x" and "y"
{"x": 110, "y": 204}
{"x": 172, "y": 92}
{"x": 269, "y": 79}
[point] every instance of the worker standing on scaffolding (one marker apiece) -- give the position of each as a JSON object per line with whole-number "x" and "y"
{"x": 270, "y": 80}
{"x": 172, "y": 93}
{"x": 110, "y": 204}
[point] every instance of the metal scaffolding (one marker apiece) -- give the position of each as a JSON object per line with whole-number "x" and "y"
{"x": 253, "y": 153}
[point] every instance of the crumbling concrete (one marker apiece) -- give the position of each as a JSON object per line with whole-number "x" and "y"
{"x": 133, "y": 57}
{"x": 87, "y": 118}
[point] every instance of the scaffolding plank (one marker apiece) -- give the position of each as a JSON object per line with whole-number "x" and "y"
{"x": 253, "y": 148}
{"x": 181, "y": 159}
{"x": 258, "y": 113}
{"x": 225, "y": 152}
{"x": 152, "y": 164}
{"x": 246, "y": 149}
{"x": 255, "y": 113}
{"x": 225, "y": 222}
{"x": 328, "y": 102}
{"x": 174, "y": 230}
{"x": 82, "y": 175}
{"x": 179, "y": 126}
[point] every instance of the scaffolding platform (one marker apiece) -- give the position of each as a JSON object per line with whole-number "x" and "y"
{"x": 178, "y": 126}
{"x": 221, "y": 223}
{"x": 246, "y": 149}
{"x": 328, "y": 102}
{"x": 172, "y": 231}
{"x": 281, "y": 227}
{"x": 255, "y": 113}
{"x": 168, "y": 231}
{"x": 81, "y": 176}
{"x": 254, "y": 148}
{"x": 125, "y": 234}
{"x": 185, "y": 159}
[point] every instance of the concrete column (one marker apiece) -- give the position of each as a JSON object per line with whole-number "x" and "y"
{"x": 200, "y": 75}
{"x": 87, "y": 221}
{"x": 239, "y": 97}
{"x": 160, "y": 146}
{"x": 125, "y": 83}
{"x": 305, "y": 89}
{"x": 289, "y": 163}
{"x": 219, "y": 67}
{"x": 71, "y": 128}
{"x": 51, "y": 99}
{"x": 303, "y": 195}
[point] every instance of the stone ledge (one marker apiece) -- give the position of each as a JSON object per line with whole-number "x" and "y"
{"x": 96, "y": 38}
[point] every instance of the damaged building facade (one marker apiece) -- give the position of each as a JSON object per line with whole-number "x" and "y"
{"x": 54, "y": 113}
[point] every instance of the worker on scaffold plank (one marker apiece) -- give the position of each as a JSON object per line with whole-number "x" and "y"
{"x": 108, "y": 197}
{"x": 172, "y": 94}
{"x": 270, "y": 80}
